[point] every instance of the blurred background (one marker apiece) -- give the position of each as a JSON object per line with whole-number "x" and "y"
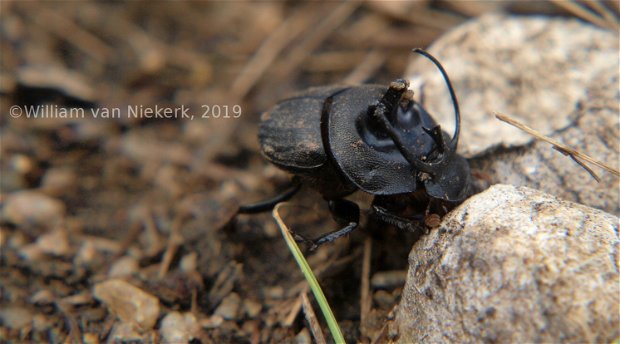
{"x": 150, "y": 199}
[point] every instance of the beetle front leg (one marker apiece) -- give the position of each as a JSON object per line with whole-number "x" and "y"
{"x": 345, "y": 213}
{"x": 409, "y": 224}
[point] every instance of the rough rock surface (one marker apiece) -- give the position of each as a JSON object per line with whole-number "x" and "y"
{"x": 514, "y": 265}
{"x": 535, "y": 68}
{"x": 559, "y": 76}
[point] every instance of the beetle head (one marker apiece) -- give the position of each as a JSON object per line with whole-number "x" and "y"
{"x": 444, "y": 173}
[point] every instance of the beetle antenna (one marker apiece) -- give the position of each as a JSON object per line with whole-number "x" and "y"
{"x": 457, "y": 114}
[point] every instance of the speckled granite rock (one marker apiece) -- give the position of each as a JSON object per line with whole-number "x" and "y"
{"x": 514, "y": 265}
{"x": 557, "y": 75}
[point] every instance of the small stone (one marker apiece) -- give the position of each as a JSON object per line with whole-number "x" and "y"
{"x": 125, "y": 333}
{"x": 514, "y": 265}
{"x": 303, "y": 337}
{"x": 15, "y": 317}
{"x": 90, "y": 338}
{"x": 189, "y": 262}
{"x": 123, "y": 267}
{"x": 42, "y": 297}
{"x": 179, "y": 328}
{"x": 212, "y": 321}
{"x": 384, "y": 299}
{"x": 58, "y": 181}
{"x": 86, "y": 254}
{"x": 41, "y": 323}
{"x": 55, "y": 243}
{"x": 129, "y": 303}
{"x": 252, "y": 308}
{"x": 32, "y": 208}
{"x": 229, "y": 307}
{"x": 388, "y": 279}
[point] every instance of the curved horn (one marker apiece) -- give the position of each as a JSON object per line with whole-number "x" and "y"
{"x": 457, "y": 114}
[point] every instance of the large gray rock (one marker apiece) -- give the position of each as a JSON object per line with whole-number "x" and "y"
{"x": 535, "y": 68}
{"x": 514, "y": 265}
{"x": 557, "y": 75}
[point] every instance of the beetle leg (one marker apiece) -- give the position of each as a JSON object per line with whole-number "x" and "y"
{"x": 268, "y": 204}
{"x": 345, "y": 213}
{"x": 409, "y": 224}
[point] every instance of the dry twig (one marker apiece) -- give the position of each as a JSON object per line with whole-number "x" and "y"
{"x": 312, "y": 320}
{"x": 365, "y": 300}
{"x": 577, "y": 156}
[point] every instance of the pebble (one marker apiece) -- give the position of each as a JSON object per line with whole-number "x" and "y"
{"x": 86, "y": 254}
{"x": 123, "y": 267}
{"x": 303, "y": 337}
{"x": 189, "y": 262}
{"x": 15, "y": 317}
{"x": 389, "y": 279}
{"x": 55, "y": 243}
{"x": 384, "y": 299}
{"x": 90, "y": 338}
{"x": 59, "y": 181}
{"x": 229, "y": 307}
{"x": 179, "y": 328}
{"x": 212, "y": 321}
{"x": 252, "y": 308}
{"x": 129, "y": 303}
{"x": 32, "y": 208}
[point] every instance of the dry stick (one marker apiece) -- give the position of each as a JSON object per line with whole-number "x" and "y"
{"x": 365, "y": 292}
{"x": 371, "y": 63}
{"x": 313, "y": 322}
{"x": 322, "y": 31}
{"x": 175, "y": 240}
{"x": 581, "y": 12}
{"x": 294, "y": 310}
{"x": 598, "y": 6}
{"x": 572, "y": 153}
{"x": 66, "y": 29}
{"x": 267, "y": 53}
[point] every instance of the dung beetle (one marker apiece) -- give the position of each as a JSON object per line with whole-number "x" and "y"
{"x": 340, "y": 139}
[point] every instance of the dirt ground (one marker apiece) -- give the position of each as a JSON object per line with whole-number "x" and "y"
{"x": 116, "y": 192}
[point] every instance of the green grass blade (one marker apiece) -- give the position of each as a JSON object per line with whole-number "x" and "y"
{"x": 312, "y": 282}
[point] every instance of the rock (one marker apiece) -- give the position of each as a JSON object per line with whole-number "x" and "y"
{"x": 59, "y": 181}
{"x": 55, "y": 242}
{"x": 127, "y": 333}
{"x": 514, "y": 265}
{"x": 179, "y": 328}
{"x": 388, "y": 279}
{"x": 303, "y": 337}
{"x": 252, "y": 308}
{"x": 32, "y": 208}
{"x": 557, "y": 75}
{"x": 536, "y": 68}
{"x": 129, "y": 303}
{"x": 15, "y": 317}
{"x": 594, "y": 130}
{"x": 123, "y": 267}
{"x": 229, "y": 307}
{"x": 65, "y": 81}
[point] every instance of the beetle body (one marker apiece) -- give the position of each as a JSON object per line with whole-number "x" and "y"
{"x": 373, "y": 138}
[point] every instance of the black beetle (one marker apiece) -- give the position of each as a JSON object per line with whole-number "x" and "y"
{"x": 339, "y": 139}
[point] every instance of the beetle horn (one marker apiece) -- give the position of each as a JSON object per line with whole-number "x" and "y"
{"x": 457, "y": 114}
